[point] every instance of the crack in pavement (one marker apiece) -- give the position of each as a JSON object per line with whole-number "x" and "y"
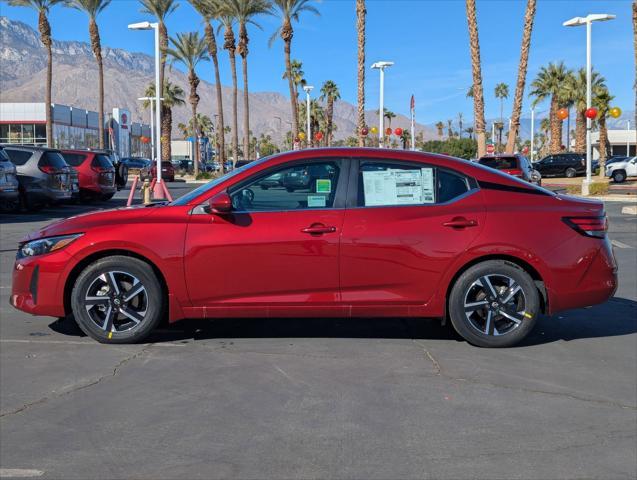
{"x": 440, "y": 373}
{"x": 83, "y": 386}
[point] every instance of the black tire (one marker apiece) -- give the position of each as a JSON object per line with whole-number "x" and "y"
{"x": 503, "y": 332}
{"x": 28, "y": 204}
{"x": 619, "y": 176}
{"x": 107, "y": 196}
{"x": 148, "y": 305}
{"x": 570, "y": 172}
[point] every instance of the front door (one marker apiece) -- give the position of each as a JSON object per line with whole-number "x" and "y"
{"x": 410, "y": 223}
{"x": 277, "y": 252}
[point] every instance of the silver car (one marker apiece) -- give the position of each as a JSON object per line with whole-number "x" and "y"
{"x": 8, "y": 182}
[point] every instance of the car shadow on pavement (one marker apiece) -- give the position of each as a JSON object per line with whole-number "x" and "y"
{"x": 56, "y": 212}
{"x": 616, "y": 317}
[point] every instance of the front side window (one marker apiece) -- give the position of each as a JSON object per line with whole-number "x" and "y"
{"x": 395, "y": 184}
{"x": 308, "y": 185}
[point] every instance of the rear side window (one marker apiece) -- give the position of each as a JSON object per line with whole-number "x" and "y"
{"x": 388, "y": 183}
{"x": 18, "y": 157}
{"x": 52, "y": 159}
{"x": 101, "y": 161}
{"x": 500, "y": 163}
{"x": 74, "y": 159}
{"x": 3, "y": 156}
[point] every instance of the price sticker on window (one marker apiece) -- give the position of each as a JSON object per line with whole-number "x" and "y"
{"x": 323, "y": 185}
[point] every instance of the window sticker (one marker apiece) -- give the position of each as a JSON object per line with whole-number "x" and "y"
{"x": 399, "y": 187}
{"x": 316, "y": 201}
{"x": 323, "y": 186}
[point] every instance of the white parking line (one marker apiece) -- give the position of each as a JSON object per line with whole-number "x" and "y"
{"x": 20, "y": 473}
{"x": 619, "y": 244}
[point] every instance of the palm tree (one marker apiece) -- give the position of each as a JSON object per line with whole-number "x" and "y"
{"x": 574, "y": 93}
{"x": 602, "y": 101}
{"x": 440, "y": 127}
{"x": 44, "y": 27}
{"x": 173, "y": 97}
{"x": 361, "y": 12}
{"x": 289, "y": 11}
{"x": 550, "y": 82}
{"x": 529, "y": 16}
{"x": 460, "y": 130}
{"x": 244, "y": 12}
{"x": 209, "y": 10}
{"x": 160, "y": 9}
{"x": 296, "y": 69}
{"x": 92, "y": 9}
{"x": 190, "y": 49}
{"x": 476, "y": 70}
{"x": 204, "y": 125}
{"x": 329, "y": 94}
{"x": 389, "y": 115}
{"x": 469, "y": 132}
{"x": 501, "y": 92}
{"x": 317, "y": 115}
{"x": 449, "y": 128}
{"x": 229, "y": 43}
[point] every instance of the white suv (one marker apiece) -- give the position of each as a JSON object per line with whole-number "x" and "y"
{"x": 619, "y": 171}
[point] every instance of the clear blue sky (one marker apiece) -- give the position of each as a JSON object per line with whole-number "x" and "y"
{"x": 427, "y": 40}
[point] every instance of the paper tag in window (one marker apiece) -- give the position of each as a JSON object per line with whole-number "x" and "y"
{"x": 323, "y": 185}
{"x": 428, "y": 185}
{"x": 316, "y": 201}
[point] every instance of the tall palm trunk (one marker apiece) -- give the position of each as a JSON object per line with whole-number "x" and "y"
{"x": 476, "y": 70}
{"x": 166, "y": 127}
{"x": 221, "y": 141}
{"x": 45, "y": 36}
{"x": 97, "y": 51}
{"x": 529, "y": 17}
{"x": 286, "y": 34}
{"x": 603, "y": 145}
{"x": 163, "y": 47}
{"x": 194, "y": 101}
{"x": 555, "y": 145}
{"x": 580, "y": 131}
{"x": 330, "y": 119}
{"x": 360, "y": 27}
{"x": 166, "y": 152}
{"x": 229, "y": 44}
{"x": 243, "y": 51}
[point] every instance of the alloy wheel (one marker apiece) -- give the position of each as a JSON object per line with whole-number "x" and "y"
{"x": 116, "y": 301}
{"x": 495, "y": 305}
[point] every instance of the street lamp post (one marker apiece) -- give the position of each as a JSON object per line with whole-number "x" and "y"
{"x": 152, "y": 123}
{"x": 588, "y": 21}
{"x": 159, "y": 191}
{"x": 628, "y": 138}
{"x": 381, "y": 111}
{"x": 308, "y": 89}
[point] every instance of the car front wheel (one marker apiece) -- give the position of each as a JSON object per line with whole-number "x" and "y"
{"x": 494, "y": 304}
{"x": 619, "y": 176}
{"x": 570, "y": 172}
{"x": 117, "y": 299}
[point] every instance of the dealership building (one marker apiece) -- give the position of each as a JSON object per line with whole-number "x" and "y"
{"x": 25, "y": 124}
{"x": 622, "y": 142}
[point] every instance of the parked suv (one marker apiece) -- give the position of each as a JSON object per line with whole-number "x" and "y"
{"x": 562, "y": 165}
{"x": 8, "y": 182}
{"x": 95, "y": 170}
{"x": 621, "y": 170}
{"x": 516, "y": 165}
{"x": 43, "y": 175}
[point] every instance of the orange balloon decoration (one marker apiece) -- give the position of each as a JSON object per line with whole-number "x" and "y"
{"x": 562, "y": 114}
{"x": 318, "y": 136}
{"x": 388, "y": 131}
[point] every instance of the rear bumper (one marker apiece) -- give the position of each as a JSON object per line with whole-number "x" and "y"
{"x": 9, "y": 192}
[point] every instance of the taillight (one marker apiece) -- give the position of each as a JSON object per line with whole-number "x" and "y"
{"x": 515, "y": 172}
{"x": 48, "y": 169}
{"x": 589, "y": 226}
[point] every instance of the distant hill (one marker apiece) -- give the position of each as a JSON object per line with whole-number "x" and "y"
{"x": 126, "y": 75}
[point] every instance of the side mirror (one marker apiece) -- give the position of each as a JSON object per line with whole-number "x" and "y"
{"x": 220, "y": 204}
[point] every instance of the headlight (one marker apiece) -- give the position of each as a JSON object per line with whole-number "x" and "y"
{"x": 45, "y": 245}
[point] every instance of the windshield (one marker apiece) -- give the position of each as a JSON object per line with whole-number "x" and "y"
{"x": 189, "y": 197}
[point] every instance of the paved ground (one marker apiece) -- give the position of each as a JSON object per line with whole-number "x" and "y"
{"x": 386, "y": 398}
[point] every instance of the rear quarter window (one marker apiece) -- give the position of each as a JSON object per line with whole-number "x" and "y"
{"x": 52, "y": 159}
{"x": 18, "y": 157}
{"x": 74, "y": 159}
{"x": 101, "y": 161}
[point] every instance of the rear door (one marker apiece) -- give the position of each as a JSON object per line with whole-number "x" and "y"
{"x": 405, "y": 223}
{"x": 277, "y": 252}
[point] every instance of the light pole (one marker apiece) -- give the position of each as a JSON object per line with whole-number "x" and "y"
{"x": 577, "y": 22}
{"x": 381, "y": 111}
{"x": 628, "y": 138}
{"x": 152, "y": 123}
{"x": 158, "y": 192}
{"x": 308, "y": 89}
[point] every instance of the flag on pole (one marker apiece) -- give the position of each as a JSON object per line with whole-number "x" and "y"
{"x": 412, "y": 108}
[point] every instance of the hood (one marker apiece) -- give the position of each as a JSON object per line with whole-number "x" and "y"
{"x": 85, "y": 221}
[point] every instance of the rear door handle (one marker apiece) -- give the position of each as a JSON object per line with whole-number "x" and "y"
{"x": 318, "y": 229}
{"x": 460, "y": 222}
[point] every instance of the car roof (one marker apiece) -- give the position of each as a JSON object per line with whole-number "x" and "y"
{"x": 33, "y": 148}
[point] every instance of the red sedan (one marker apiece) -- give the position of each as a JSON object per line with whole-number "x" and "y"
{"x": 375, "y": 233}
{"x": 95, "y": 171}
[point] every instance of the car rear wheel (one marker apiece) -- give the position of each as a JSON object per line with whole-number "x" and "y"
{"x": 570, "y": 172}
{"x": 494, "y": 304}
{"x": 107, "y": 196}
{"x": 117, "y": 299}
{"x": 619, "y": 176}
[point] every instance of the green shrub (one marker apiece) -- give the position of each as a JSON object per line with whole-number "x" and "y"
{"x": 204, "y": 176}
{"x": 574, "y": 189}
{"x": 598, "y": 188}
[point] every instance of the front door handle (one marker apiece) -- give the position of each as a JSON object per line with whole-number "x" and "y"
{"x": 318, "y": 229}
{"x": 460, "y": 222}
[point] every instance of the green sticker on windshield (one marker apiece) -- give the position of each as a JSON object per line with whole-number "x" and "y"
{"x": 323, "y": 186}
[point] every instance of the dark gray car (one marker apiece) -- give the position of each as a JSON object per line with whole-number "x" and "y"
{"x": 43, "y": 175}
{"x": 8, "y": 182}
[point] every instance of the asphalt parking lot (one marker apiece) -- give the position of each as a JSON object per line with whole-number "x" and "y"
{"x": 284, "y": 398}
